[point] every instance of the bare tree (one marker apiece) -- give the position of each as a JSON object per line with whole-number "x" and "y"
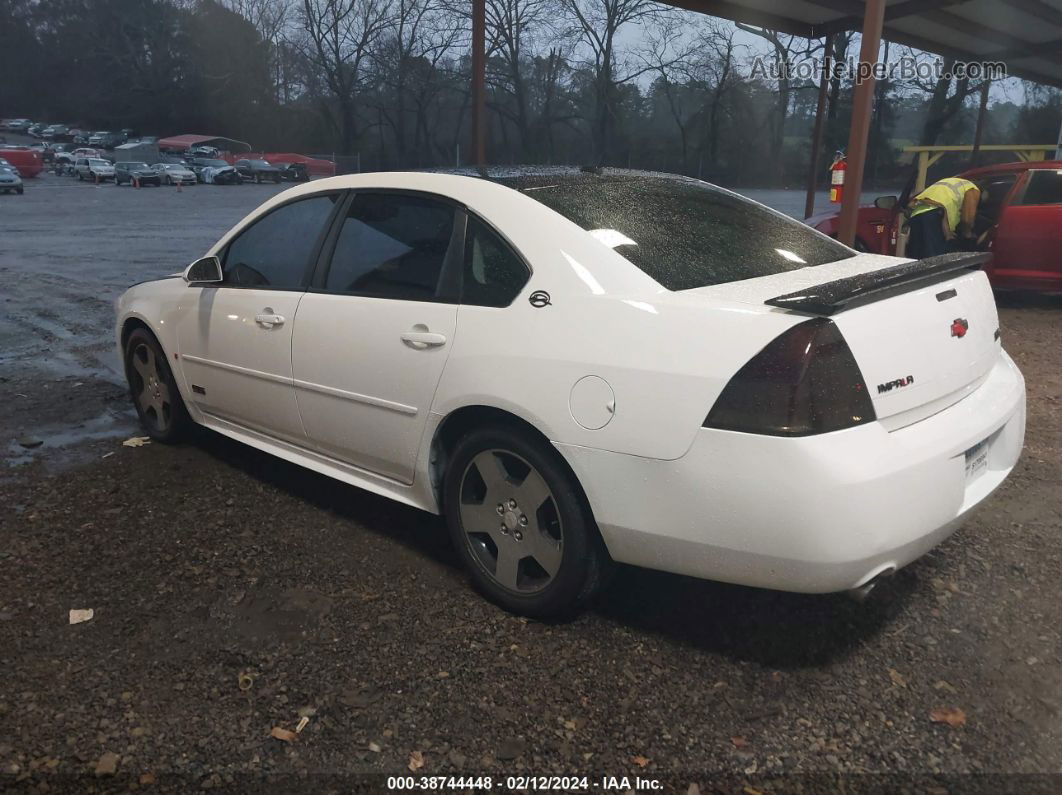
{"x": 339, "y": 40}
{"x": 420, "y": 35}
{"x": 717, "y": 41}
{"x": 272, "y": 19}
{"x": 596, "y": 23}
{"x": 514, "y": 29}
{"x": 786, "y": 48}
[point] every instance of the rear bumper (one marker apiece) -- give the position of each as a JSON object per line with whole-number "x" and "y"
{"x": 815, "y": 514}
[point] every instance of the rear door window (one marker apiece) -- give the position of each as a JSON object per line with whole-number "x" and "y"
{"x": 391, "y": 245}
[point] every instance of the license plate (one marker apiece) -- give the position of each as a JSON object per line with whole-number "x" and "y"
{"x": 977, "y": 460}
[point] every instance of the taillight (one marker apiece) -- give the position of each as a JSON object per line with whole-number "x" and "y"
{"x": 805, "y": 381}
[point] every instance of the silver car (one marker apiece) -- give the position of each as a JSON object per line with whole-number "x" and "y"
{"x": 94, "y": 169}
{"x": 10, "y": 180}
{"x": 175, "y": 173}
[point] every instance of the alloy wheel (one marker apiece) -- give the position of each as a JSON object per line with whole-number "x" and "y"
{"x": 150, "y": 389}
{"x": 511, "y": 521}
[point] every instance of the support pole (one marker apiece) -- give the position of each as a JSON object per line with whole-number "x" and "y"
{"x": 862, "y": 104}
{"x": 816, "y": 133}
{"x": 479, "y": 82}
{"x": 980, "y": 128}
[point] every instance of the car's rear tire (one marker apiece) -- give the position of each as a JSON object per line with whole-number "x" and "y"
{"x": 520, "y": 524}
{"x": 153, "y": 389}
{"x": 20, "y": 190}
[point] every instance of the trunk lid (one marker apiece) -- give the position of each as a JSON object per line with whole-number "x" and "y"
{"x": 924, "y": 333}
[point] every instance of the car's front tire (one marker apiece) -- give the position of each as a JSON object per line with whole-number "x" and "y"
{"x": 520, "y": 523}
{"x": 153, "y": 389}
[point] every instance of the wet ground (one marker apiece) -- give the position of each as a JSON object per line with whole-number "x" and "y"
{"x": 233, "y": 593}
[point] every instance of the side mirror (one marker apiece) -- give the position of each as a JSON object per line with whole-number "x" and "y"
{"x": 885, "y": 202}
{"x": 205, "y": 270}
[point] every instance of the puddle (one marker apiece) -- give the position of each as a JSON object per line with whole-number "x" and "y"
{"x": 59, "y": 439}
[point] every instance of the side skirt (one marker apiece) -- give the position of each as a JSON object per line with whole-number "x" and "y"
{"x": 386, "y": 487}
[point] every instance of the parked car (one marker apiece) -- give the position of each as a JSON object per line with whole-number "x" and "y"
{"x": 7, "y": 164}
{"x": 105, "y": 140}
{"x": 204, "y": 151}
{"x": 175, "y": 173}
{"x": 28, "y": 162}
{"x": 94, "y": 169}
{"x": 19, "y": 125}
{"x": 36, "y": 129}
{"x": 294, "y": 172}
{"x": 142, "y": 173}
{"x": 55, "y": 131}
{"x": 1020, "y": 223}
{"x": 10, "y": 181}
{"x": 746, "y": 416}
{"x": 257, "y": 170}
{"x": 87, "y": 151}
{"x": 214, "y": 171}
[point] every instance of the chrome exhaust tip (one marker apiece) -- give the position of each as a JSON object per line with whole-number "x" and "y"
{"x": 862, "y": 593}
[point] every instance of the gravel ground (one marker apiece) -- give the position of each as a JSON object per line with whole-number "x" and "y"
{"x": 234, "y": 593}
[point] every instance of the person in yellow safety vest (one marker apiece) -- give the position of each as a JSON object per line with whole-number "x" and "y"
{"x": 942, "y": 216}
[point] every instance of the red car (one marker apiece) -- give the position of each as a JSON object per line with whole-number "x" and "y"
{"x": 1022, "y": 218}
{"x": 29, "y": 162}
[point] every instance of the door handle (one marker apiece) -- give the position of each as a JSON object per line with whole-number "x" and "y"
{"x": 267, "y": 319}
{"x": 423, "y": 339}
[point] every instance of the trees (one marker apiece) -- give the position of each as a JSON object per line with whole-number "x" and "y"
{"x": 386, "y": 83}
{"x": 338, "y": 43}
{"x": 596, "y": 23}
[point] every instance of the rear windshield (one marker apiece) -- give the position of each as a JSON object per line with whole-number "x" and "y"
{"x": 684, "y": 233}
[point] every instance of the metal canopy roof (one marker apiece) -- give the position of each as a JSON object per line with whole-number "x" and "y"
{"x": 1024, "y": 34}
{"x": 188, "y": 141}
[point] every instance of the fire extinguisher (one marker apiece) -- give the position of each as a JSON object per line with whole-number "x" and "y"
{"x": 837, "y": 177}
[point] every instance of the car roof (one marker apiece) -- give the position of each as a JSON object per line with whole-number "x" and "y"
{"x": 1011, "y": 168}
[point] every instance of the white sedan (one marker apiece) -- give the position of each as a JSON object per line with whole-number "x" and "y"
{"x": 579, "y": 368}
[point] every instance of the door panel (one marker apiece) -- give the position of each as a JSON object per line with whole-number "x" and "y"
{"x": 1028, "y": 242}
{"x": 235, "y": 338}
{"x": 365, "y": 372}
{"x": 236, "y": 367}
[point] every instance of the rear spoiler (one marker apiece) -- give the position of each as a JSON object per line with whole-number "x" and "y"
{"x": 836, "y": 296}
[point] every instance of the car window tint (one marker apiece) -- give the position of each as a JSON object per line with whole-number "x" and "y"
{"x": 391, "y": 246}
{"x": 493, "y": 274}
{"x": 682, "y": 232}
{"x": 1045, "y": 187}
{"x": 275, "y": 251}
